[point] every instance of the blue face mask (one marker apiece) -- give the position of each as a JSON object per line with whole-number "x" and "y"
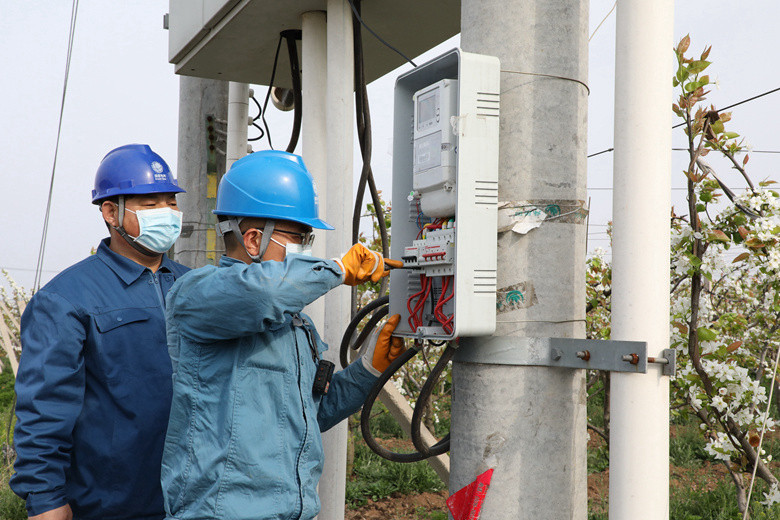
{"x": 159, "y": 228}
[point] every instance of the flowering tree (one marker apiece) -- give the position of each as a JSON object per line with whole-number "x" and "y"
{"x": 724, "y": 312}
{"x": 12, "y": 305}
{"x": 725, "y": 289}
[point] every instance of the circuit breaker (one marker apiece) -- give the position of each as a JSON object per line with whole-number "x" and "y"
{"x": 445, "y": 197}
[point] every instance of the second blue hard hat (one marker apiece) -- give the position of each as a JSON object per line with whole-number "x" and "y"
{"x": 270, "y": 184}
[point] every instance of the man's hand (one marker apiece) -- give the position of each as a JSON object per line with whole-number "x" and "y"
{"x": 385, "y": 349}
{"x": 61, "y": 513}
{"x": 360, "y": 265}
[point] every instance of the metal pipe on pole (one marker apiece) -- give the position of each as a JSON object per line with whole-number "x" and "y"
{"x": 237, "y": 122}
{"x": 639, "y": 407}
{"x": 339, "y": 139}
{"x": 199, "y": 168}
{"x": 528, "y": 423}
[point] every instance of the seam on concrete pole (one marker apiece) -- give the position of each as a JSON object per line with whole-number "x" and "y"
{"x": 639, "y": 429}
{"x": 529, "y": 423}
{"x": 338, "y": 212}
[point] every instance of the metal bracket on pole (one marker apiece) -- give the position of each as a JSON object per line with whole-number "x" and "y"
{"x": 589, "y": 354}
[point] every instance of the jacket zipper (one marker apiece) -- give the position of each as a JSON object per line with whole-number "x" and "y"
{"x": 305, "y": 423}
{"x": 158, "y": 291}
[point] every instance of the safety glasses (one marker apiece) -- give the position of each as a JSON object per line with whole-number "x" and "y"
{"x": 305, "y": 239}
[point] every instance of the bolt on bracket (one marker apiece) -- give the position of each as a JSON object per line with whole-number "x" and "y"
{"x": 590, "y": 354}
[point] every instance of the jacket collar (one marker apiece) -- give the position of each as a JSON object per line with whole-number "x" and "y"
{"x": 227, "y": 261}
{"x": 127, "y": 270}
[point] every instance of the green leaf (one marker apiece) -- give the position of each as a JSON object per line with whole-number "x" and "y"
{"x": 706, "y": 334}
{"x": 730, "y": 135}
{"x": 698, "y": 66}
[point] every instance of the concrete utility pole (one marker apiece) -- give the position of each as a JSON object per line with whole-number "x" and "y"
{"x": 528, "y": 422}
{"x": 201, "y": 163}
{"x": 337, "y": 190}
{"x": 639, "y": 430}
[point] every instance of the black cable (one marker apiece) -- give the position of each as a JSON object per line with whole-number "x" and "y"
{"x": 738, "y": 103}
{"x": 259, "y": 109}
{"x": 719, "y": 110}
{"x": 365, "y": 415}
{"x": 262, "y": 133}
{"x": 443, "y": 446}
{"x": 363, "y": 116}
{"x": 357, "y": 15}
{"x": 292, "y": 36}
{"x": 372, "y": 322}
{"x": 268, "y": 92}
{"x": 350, "y": 330}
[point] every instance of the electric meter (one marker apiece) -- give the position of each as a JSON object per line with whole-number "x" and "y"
{"x": 435, "y": 145}
{"x": 445, "y": 197}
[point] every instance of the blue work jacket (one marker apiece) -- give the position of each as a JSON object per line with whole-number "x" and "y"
{"x": 244, "y": 438}
{"x": 94, "y": 390}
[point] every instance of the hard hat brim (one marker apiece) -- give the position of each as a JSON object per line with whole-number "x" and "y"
{"x": 315, "y": 223}
{"x": 142, "y": 189}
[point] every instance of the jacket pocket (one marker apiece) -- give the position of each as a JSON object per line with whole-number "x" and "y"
{"x": 110, "y": 320}
{"x": 129, "y": 343}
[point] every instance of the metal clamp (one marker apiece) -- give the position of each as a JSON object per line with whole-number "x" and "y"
{"x": 609, "y": 355}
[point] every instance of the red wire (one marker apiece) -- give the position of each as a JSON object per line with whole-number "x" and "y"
{"x": 413, "y": 320}
{"x": 446, "y": 322}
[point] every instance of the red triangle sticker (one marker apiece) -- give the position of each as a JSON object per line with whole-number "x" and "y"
{"x": 466, "y": 503}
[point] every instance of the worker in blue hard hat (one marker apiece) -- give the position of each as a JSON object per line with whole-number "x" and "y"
{"x": 250, "y": 390}
{"x": 94, "y": 382}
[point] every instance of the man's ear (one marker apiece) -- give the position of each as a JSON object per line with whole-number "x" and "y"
{"x": 110, "y": 213}
{"x": 252, "y": 240}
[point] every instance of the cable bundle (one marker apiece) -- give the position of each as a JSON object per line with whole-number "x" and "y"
{"x": 378, "y": 309}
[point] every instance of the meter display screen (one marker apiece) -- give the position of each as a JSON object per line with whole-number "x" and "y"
{"x": 426, "y": 109}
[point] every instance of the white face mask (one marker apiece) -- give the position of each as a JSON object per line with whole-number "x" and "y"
{"x": 294, "y": 249}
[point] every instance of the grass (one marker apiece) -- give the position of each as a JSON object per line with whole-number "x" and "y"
{"x": 376, "y": 478}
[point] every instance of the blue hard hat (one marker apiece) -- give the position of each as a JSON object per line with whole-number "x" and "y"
{"x": 133, "y": 169}
{"x": 270, "y": 184}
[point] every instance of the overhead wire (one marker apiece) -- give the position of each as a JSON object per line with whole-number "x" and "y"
{"x": 719, "y": 110}
{"x": 42, "y": 249}
{"x": 355, "y": 12}
{"x": 268, "y": 92}
{"x": 602, "y": 21}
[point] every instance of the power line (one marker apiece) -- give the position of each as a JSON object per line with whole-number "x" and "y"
{"x": 357, "y": 15}
{"x": 739, "y": 103}
{"x": 685, "y": 150}
{"x": 41, "y": 251}
{"x": 602, "y": 22}
{"x": 719, "y": 110}
{"x": 9, "y": 268}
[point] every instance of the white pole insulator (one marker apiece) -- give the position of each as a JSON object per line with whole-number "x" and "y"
{"x": 238, "y": 115}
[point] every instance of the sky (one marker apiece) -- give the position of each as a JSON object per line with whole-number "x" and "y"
{"x": 121, "y": 89}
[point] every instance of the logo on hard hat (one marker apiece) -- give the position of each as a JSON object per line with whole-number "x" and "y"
{"x": 157, "y": 167}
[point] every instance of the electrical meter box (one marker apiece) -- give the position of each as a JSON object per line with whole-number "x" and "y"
{"x": 445, "y": 197}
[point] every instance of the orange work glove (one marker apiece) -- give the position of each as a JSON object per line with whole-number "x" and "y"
{"x": 383, "y": 348}
{"x": 360, "y": 265}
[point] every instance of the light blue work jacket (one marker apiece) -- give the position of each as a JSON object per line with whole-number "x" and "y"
{"x": 244, "y": 438}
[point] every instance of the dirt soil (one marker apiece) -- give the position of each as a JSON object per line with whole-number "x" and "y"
{"x": 414, "y": 507}
{"x": 400, "y": 507}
